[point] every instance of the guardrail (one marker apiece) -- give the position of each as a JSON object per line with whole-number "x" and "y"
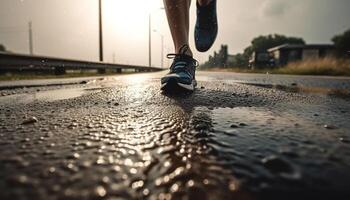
{"x": 20, "y": 62}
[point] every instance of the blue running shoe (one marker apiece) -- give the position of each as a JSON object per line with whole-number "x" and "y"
{"x": 206, "y": 28}
{"x": 182, "y": 73}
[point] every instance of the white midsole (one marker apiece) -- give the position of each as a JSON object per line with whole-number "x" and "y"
{"x": 187, "y": 87}
{"x": 163, "y": 85}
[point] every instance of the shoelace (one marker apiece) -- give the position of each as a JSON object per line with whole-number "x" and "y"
{"x": 182, "y": 53}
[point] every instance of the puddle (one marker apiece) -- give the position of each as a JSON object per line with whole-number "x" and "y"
{"x": 268, "y": 146}
{"x": 55, "y": 95}
{"x": 251, "y": 120}
{"x": 243, "y": 128}
{"x": 341, "y": 93}
{"x": 48, "y": 96}
{"x": 284, "y": 119}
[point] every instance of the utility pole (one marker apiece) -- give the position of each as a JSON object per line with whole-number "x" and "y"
{"x": 30, "y": 32}
{"x": 150, "y": 36}
{"x": 150, "y": 40}
{"x": 162, "y": 51}
{"x": 161, "y": 48}
{"x": 100, "y": 30}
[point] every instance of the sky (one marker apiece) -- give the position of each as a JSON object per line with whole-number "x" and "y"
{"x": 69, "y": 28}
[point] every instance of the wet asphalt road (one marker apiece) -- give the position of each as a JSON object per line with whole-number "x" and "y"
{"x": 236, "y": 137}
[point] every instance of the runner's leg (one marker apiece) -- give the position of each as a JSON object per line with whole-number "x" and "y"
{"x": 178, "y": 18}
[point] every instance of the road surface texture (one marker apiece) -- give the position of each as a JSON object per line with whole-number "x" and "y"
{"x": 236, "y": 137}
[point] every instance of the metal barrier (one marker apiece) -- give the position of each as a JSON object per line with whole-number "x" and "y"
{"x": 20, "y": 62}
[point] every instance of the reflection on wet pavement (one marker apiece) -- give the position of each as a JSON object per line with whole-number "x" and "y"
{"x": 49, "y": 95}
{"x": 129, "y": 141}
{"x": 338, "y": 92}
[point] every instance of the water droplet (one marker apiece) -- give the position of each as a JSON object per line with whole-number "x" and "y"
{"x": 100, "y": 191}
{"x": 52, "y": 169}
{"x": 105, "y": 179}
{"x": 232, "y": 186}
{"x": 206, "y": 181}
{"x": 174, "y": 188}
{"x": 74, "y": 156}
{"x": 158, "y": 182}
{"x": 276, "y": 164}
{"x": 167, "y": 164}
{"x": 100, "y": 161}
{"x": 30, "y": 120}
{"x": 330, "y": 127}
{"x": 190, "y": 183}
{"x": 137, "y": 184}
{"x": 166, "y": 179}
{"x": 133, "y": 171}
{"x": 73, "y": 125}
{"x": 243, "y": 124}
{"x": 164, "y": 196}
{"x": 128, "y": 162}
{"x": 116, "y": 168}
{"x": 234, "y": 126}
{"x": 344, "y": 140}
{"x": 19, "y": 179}
{"x": 145, "y": 192}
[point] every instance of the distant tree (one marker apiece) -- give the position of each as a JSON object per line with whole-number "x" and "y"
{"x": 2, "y": 47}
{"x": 222, "y": 56}
{"x": 219, "y": 59}
{"x": 342, "y": 43}
{"x": 237, "y": 60}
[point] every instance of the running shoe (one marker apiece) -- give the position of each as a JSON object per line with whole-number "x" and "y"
{"x": 206, "y": 28}
{"x": 182, "y": 72}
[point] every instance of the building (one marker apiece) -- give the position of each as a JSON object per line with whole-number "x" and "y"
{"x": 284, "y": 54}
{"x": 261, "y": 59}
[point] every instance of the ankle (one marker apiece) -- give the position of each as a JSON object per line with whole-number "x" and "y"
{"x": 188, "y": 51}
{"x": 203, "y": 2}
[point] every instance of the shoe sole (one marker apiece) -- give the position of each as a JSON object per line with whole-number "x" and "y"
{"x": 173, "y": 85}
{"x": 202, "y": 48}
{"x": 205, "y": 48}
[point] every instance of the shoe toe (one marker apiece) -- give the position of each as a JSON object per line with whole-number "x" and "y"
{"x": 178, "y": 77}
{"x": 204, "y": 39}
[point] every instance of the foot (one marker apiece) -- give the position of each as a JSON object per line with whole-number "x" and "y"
{"x": 206, "y": 28}
{"x": 182, "y": 72}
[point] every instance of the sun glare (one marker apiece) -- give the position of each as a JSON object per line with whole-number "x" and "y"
{"x": 130, "y": 17}
{"x": 129, "y": 9}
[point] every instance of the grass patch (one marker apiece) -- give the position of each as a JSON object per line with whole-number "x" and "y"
{"x": 326, "y": 67}
{"x": 236, "y": 69}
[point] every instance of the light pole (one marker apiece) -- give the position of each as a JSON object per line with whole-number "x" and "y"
{"x": 162, "y": 48}
{"x": 30, "y": 32}
{"x": 162, "y": 51}
{"x": 150, "y": 36}
{"x": 100, "y": 29}
{"x": 149, "y": 40}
